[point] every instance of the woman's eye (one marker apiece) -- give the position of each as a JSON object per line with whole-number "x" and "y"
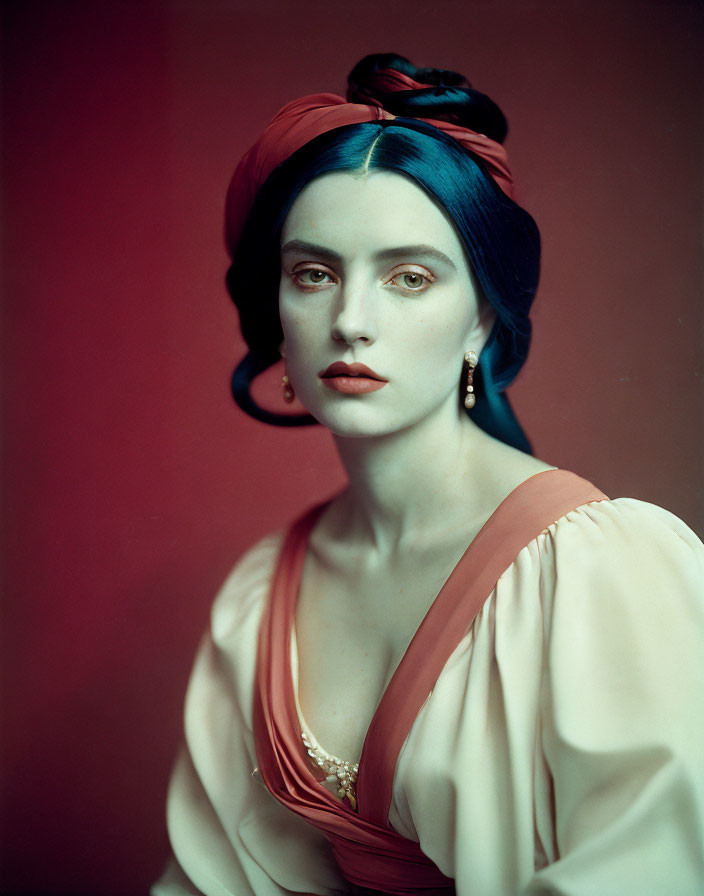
{"x": 311, "y": 277}
{"x": 412, "y": 281}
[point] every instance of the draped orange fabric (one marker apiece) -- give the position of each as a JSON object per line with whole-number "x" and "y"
{"x": 369, "y": 852}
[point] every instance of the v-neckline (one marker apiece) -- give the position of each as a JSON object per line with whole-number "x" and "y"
{"x": 441, "y": 623}
{"x": 295, "y": 657}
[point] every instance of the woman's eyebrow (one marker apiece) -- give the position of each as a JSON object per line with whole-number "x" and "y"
{"x": 417, "y": 250}
{"x": 318, "y": 251}
{"x": 310, "y": 249}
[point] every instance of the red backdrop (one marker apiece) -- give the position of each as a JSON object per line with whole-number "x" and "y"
{"x": 130, "y": 482}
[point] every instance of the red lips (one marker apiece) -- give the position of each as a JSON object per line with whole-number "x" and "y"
{"x": 339, "y": 368}
{"x": 352, "y": 379}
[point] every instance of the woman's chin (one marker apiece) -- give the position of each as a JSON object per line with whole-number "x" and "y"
{"x": 348, "y": 416}
{"x": 347, "y": 429}
{"x": 353, "y": 423}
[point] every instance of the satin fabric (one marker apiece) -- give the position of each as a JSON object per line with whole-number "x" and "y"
{"x": 369, "y": 853}
{"x": 560, "y": 750}
{"x": 303, "y": 119}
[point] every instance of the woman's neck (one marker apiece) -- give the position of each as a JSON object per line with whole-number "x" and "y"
{"x": 419, "y": 480}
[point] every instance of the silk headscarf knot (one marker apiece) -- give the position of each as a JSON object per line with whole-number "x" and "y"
{"x": 389, "y": 81}
{"x": 303, "y": 119}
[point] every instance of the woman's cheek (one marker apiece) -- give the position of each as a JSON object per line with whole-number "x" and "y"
{"x": 300, "y": 333}
{"x": 290, "y": 321}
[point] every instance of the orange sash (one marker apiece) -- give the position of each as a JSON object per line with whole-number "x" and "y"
{"x": 369, "y": 852}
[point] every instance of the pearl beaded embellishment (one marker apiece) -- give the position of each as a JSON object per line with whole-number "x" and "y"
{"x": 341, "y": 776}
{"x": 472, "y": 361}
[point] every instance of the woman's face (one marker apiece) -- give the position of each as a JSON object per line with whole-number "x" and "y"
{"x": 373, "y": 274}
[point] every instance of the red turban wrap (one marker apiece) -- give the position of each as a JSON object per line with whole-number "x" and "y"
{"x": 301, "y": 120}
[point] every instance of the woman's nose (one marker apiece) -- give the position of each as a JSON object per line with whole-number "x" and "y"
{"x": 354, "y": 318}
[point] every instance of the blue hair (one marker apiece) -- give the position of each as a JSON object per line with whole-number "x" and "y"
{"x": 500, "y": 239}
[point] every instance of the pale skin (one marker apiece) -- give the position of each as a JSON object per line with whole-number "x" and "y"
{"x": 374, "y": 273}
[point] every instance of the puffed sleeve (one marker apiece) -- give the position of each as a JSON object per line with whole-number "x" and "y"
{"x": 229, "y": 836}
{"x": 622, "y": 705}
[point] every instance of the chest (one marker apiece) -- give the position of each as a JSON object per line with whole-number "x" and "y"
{"x": 354, "y": 622}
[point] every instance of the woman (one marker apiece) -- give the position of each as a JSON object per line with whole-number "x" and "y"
{"x": 522, "y": 715}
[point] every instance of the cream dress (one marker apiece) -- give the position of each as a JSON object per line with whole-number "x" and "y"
{"x": 561, "y": 750}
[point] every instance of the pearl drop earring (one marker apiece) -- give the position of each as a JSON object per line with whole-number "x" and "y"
{"x": 287, "y": 389}
{"x": 472, "y": 361}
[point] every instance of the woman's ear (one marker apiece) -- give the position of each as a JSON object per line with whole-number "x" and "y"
{"x": 282, "y": 348}
{"x": 483, "y": 327}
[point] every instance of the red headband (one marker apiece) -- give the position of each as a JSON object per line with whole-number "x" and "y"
{"x": 301, "y": 120}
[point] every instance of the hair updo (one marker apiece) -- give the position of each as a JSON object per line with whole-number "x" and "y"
{"x": 500, "y": 239}
{"x": 448, "y": 97}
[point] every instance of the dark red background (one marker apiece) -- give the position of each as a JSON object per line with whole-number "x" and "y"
{"x": 131, "y": 484}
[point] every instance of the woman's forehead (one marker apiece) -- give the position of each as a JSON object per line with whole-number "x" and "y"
{"x": 379, "y": 208}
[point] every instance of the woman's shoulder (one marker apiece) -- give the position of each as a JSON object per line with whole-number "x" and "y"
{"x": 242, "y": 596}
{"x": 622, "y": 552}
{"x": 244, "y": 590}
{"x": 577, "y": 540}
{"x": 582, "y": 512}
{"x": 612, "y": 523}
